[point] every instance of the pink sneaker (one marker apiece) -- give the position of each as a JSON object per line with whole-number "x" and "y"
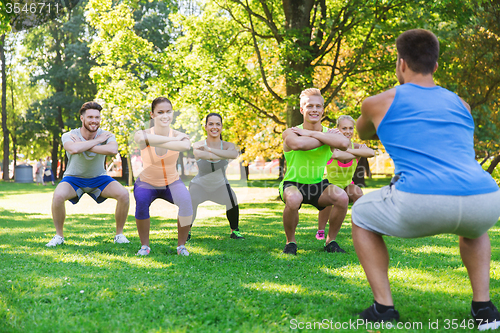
{"x": 320, "y": 235}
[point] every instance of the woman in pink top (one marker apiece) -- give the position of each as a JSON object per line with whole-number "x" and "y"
{"x": 160, "y": 146}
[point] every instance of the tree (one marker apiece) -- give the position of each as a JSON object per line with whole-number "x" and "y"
{"x": 132, "y": 36}
{"x": 57, "y": 55}
{"x": 471, "y": 68}
{"x": 249, "y": 59}
{"x": 5, "y": 163}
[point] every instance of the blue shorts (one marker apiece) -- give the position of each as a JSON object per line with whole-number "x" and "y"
{"x": 91, "y": 186}
{"x": 175, "y": 193}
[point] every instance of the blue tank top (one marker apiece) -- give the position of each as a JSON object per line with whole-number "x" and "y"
{"x": 428, "y": 133}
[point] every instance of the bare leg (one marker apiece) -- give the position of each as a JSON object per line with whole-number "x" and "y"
{"x": 323, "y": 217}
{"x": 293, "y": 200}
{"x": 143, "y": 227}
{"x": 354, "y": 192}
{"x": 63, "y": 192}
{"x": 117, "y": 191}
{"x": 337, "y": 197}
{"x": 374, "y": 258}
{"x": 183, "y": 227}
{"x": 476, "y": 255}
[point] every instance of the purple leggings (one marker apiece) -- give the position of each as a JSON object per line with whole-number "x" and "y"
{"x": 175, "y": 193}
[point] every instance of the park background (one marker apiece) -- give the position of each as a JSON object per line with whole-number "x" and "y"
{"x": 247, "y": 60}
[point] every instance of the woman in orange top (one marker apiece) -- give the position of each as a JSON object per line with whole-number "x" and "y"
{"x": 160, "y": 146}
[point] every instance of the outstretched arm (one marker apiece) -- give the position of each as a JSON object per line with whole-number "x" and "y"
{"x": 293, "y": 141}
{"x": 77, "y": 146}
{"x": 361, "y": 150}
{"x": 178, "y": 142}
{"x": 110, "y": 148}
{"x": 334, "y": 140}
{"x": 227, "y": 154}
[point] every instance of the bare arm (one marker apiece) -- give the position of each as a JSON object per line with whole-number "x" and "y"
{"x": 334, "y": 140}
{"x": 179, "y": 142}
{"x": 342, "y": 155}
{"x": 361, "y": 150}
{"x": 204, "y": 155}
{"x": 292, "y": 141}
{"x": 183, "y": 145}
{"x": 373, "y": 110}
{"x": 229, "y": 151}
{"x": 143, "y": 138}
{"x": 366, "y": 129}
{"x": 110, "y": 149}
{"x": 77, "y": 146}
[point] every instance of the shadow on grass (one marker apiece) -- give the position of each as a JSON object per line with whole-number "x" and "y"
{"x": 91, "y": 284}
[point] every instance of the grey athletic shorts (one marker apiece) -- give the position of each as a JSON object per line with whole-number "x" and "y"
{"x": 395, "y": 213}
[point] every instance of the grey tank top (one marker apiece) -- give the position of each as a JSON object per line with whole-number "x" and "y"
{"x": 211, "y": 175}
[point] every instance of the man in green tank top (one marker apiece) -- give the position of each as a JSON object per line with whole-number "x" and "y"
{"x": 307, "y": 149}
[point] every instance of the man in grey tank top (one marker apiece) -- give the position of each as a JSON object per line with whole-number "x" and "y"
{"x": 86, "y": 148}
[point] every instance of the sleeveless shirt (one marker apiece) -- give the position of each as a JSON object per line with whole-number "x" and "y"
{"x": 158, "y": 170}
{"x": 428, "y": 133}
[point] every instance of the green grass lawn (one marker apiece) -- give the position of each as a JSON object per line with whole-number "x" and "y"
{"x": 91, "y": 284}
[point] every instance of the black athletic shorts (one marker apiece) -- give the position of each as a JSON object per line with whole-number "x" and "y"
{"x": 310, "y": 192}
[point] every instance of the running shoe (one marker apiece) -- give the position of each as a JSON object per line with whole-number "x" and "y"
{"x": 320, "y": 235}
{"x": 334, "y": 247}
{"x": 371, "y": 314}
{"x": 121, "y": 239}
{"x": 290, "y": 248}
{"x": 487, "y": 318}
{"x": 144, "y": 251}
{"x": 56, "y": 240}
{"x": 182, "y": 251}
{"x": 237, "y": 235}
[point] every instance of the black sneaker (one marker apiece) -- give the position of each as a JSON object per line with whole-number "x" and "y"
{"x": 290, "y": 248}
{"x": 487, "y": 318}
{"x": 334, "y": 247}
{"x": 237, "y": 235}
{"x": 371, "y": 314}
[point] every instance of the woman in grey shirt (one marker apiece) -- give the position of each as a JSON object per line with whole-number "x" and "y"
{"x": 211, "y": 183}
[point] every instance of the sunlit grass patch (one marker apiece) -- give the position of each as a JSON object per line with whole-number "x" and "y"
{"x": 91, "y": 284}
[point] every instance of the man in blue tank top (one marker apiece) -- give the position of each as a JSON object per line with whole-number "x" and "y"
{"x": 428, "y": 132}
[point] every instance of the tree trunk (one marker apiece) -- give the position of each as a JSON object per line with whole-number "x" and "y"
{"x": 125, "y": 169}
{"x": 180, "y": 161}
{"x": 14, "y": 150}
{"x": 53, "y": 157}
{"x": 281, "y": 167}
{"x": 5, "y": 164}
{"x": 493, "y": 164}
{"x": 130, "y": 172}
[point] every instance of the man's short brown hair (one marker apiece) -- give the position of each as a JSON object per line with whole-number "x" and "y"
{"x": 90, "y": 105}
{"x": 420, "y": 49}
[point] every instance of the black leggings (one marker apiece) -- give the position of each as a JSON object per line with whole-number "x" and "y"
{"x": 223, "y": 195}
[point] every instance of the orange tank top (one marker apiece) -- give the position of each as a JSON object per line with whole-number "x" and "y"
{"x": 159, "y": 170}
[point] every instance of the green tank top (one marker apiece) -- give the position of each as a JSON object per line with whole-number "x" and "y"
{"x": 306, "y": 166}
{"x": 340, "y": 174}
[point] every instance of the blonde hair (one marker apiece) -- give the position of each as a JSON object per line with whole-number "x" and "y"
{"x": 309, "y": 92}
{"x": 344, "y": 117}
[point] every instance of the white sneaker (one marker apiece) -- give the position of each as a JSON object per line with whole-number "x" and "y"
{"x": 144, "y": 251}
{"x": 121, "y": 239}
{"x": 182, "y": 251}
{"x": 56, "y": 240}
